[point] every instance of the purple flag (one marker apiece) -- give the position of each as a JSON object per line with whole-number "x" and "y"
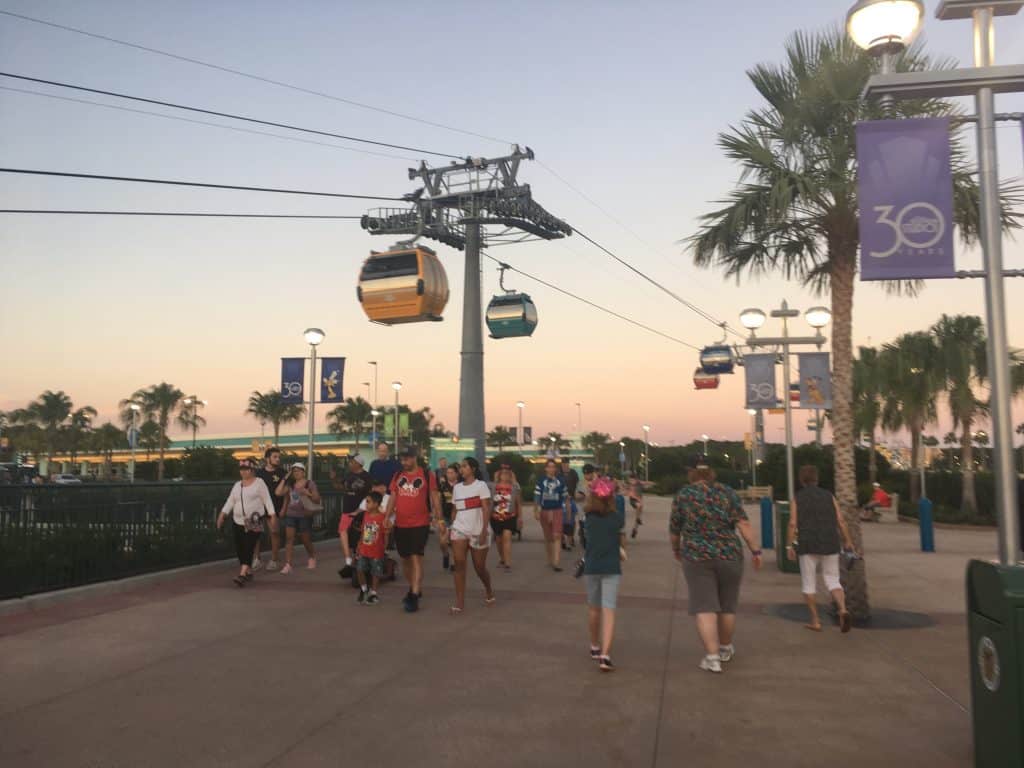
{"x": 905, "y": 189}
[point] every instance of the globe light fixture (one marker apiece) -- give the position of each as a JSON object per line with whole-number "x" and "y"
{"x": 818, "y": 317}
{"x": 752, "y": 318}
{"x": 884, "y": 26}
{"x": 313, "y": 336}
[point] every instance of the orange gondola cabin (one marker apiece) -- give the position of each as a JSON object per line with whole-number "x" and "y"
{"x": 702, "y": 380}
{"x": 406, "y": 284}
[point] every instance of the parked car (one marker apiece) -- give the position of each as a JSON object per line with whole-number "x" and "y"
{"x": 67, "y": 480}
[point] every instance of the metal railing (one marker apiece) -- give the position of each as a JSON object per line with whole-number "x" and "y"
{"x": 54, "y": 537}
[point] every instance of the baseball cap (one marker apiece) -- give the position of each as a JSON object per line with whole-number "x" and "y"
{"x": 410, "y": 453}
{"x": 358, "y": 459}
{"x": 299, "y": 465}
{"x": 700, "y": 461}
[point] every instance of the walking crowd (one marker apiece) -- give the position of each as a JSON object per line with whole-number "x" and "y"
{"x": 394, "y": 505}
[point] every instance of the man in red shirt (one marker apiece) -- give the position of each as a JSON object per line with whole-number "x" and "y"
{"x": 879, "y": 498}
{"x": 413, "y": 500}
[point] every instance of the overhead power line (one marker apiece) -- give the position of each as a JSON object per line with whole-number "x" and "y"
{"x": 590, "y": 303}
{"x": 175, "y": 213}
{"x": 689, "y": 305}
{"x": 229, "y": 115}
{"x": 251, "y": 76}
{"x": 192, "y": 184}
{"x": 193, "y": 121}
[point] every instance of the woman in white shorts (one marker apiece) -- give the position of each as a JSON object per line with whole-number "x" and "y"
{"x": 815, "y": 526}
{"x": 470, "y": 532}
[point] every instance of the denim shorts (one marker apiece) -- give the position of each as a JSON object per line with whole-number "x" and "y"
{"x": 371, "y": 566}
{"x": 301, "y": 524}
{"x": 602, "y": 589}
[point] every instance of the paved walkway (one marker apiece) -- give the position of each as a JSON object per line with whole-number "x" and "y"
{"x": 290, "y": 672}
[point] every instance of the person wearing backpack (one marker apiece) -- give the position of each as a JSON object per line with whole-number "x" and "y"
{"x": 413, "y": 501}
{"x": 602, "y": 570}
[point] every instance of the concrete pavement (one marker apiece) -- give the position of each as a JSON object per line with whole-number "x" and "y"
{"x": 290, "y": 671}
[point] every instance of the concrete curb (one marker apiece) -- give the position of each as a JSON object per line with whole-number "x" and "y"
{"x": 950, "y": 526}
{"x": 43, "y": 600}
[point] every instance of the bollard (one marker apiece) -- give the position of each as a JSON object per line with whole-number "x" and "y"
{"x": 924, "y": 514}
{"x": 767, "y": 524}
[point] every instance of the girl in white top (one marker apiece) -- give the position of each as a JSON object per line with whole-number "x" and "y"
{"x": 247, "y": 503}
{"x": 470, "y": 532}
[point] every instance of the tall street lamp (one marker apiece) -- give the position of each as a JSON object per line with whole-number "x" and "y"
{"x": 194, "y": 402}
{"x": 313, "y": 337}
{"x": 705, "y": 438}
{"x": 134, "y": 437}
{"x": 373, "y": 415}
{"x": 519, "y": 435}
{"x": 817, "y": 318}
{"x": 579, "y": 417}
{"x": 397, "y": 386}
{"x": 982, "y": 81}
{"x": 647, "y": 460}
{"x": 753, "y": 445}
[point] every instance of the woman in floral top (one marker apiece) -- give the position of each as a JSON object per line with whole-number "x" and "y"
{"x": 707, "y": 521}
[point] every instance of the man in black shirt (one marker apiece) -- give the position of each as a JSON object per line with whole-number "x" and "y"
{"x": 354, "y": 486}
{"x": 271, "y": 473}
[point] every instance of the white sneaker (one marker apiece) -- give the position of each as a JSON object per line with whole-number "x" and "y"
{"x": 726, "y": 652}
{"x": 272, "y": 565}
{"x": 711, "y": 663}
{"x": 257, "y": 564}
{"x": 311, "y": 565}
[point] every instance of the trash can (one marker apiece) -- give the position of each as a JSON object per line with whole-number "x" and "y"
{"x": 781, "y": 527}
{"x": 995, "y": 616}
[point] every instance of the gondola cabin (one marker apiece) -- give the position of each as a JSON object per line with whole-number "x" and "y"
{"x": 717, "y": 359}
{"x": 403, "y": 285}
{"x": 511, "y": 315}
{"x": 703, "y": 380}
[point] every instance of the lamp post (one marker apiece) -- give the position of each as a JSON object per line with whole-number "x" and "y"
{"x": 981, "y": 81}
{"x": 375, "y": 400}
{"x": 194, "y": 402}
{"x": 135, "y": 408}
{"x": 817, "y": 318}
{"x": 579, "y": 417}
{"x": 753, "y": 445}
{"x": 373, "y": 415}
{"x": 519, "y": 435}
{"x": 622, "y": 457}
{"x": 313, "y": 337}
{"x": 705, "y": 438}
{"x": 397, "y": 386}
{"x": 647, "y": 460}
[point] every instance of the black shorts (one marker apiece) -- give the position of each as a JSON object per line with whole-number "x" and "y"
{"x": 500, "y": 526}
{"x": 411, "y": 541}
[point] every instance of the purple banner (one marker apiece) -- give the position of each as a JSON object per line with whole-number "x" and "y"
{"x": 905, "y": 189}
{"x": 293, "y": 373}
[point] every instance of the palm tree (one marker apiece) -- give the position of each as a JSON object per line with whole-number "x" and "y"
{"x": 107, "y": 439}
{"x": 352, "y": 416}
{"x": 49, "y": 412}
{"x": 795, "y": 208}
{"x": 149, "y": 437}
{"x": 962, "y": 356}
{"x": 157, "y": 403}
{"x": 188, "y": 416}
{"x": 595, "y": 441}
{"x": 867, "y": 404}
{"x": 268, "y": 406}
{"x": 912, "y": 378}
{"x": 77, "y": 430}
{"x": 501, "y": 436}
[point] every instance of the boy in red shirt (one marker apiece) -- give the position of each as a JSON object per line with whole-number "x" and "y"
{"x": 371, "y": 549}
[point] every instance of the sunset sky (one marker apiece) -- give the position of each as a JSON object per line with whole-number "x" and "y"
{"x": 622, "y": 100}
